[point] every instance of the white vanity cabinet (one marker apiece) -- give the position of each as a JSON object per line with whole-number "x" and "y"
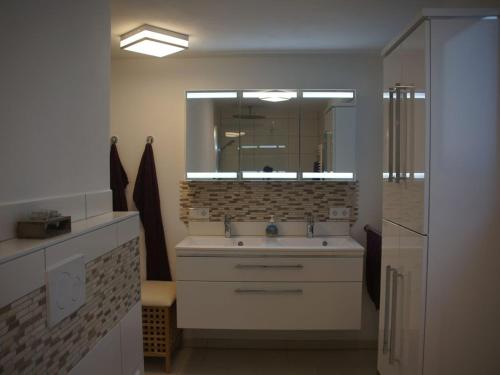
{"x": 270, "y": 289}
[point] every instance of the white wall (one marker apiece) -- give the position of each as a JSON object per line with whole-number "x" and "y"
{"x": 54, "y": 98}
{"x": 148, "y": 98}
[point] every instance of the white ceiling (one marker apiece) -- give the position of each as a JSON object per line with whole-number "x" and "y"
{"x": 275, "y": 26}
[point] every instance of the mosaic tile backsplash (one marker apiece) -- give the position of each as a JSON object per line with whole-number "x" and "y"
{"x": 258, "y": 200}
{"x": 28, "y": 346}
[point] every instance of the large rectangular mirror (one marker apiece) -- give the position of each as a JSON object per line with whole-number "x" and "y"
{"x": 269, "y": 142}
{"x": 327, "y": 136}
{"x": 271, "y": 134}
{"x": 212, "y": 135}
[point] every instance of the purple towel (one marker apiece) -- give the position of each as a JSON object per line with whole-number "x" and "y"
{"x": 373, "y": 264}
{"x": 147, "y": 201}
{"x": 118, "y": 180}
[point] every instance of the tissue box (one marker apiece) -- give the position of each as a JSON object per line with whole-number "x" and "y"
{"x": 44, "y": 228}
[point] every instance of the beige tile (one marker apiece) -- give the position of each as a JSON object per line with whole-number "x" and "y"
{"x": 309, "y": 145}
{"x": 236, "y": 197}
{"x": 154, "y": 366}
{"x": 268, "y": 362}
{"x": 348, "y": 362}
{"x": 309, "y": 126}
{"x": 189, "y": 362}
{"x": 229, "y": 362}
{"x": 301, "y": 362}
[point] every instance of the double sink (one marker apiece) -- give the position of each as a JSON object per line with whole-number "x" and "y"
{"x": 340, "y": 244}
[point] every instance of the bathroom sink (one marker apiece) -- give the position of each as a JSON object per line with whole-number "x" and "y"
{"x": 315, "y": 242}
{"x": 207, "y": 241}
{"x": 265, "y": 244}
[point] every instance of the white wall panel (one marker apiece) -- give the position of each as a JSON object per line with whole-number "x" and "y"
{"x": 21, "y": 276}
{"x": 98, "y": 202}
{"x": 128, "y": 229}
{"x": 104, "y": 358}
{"x": 54, "y": 98}
{"x": 131, "y": 339}
{"x": 91, "y": 245}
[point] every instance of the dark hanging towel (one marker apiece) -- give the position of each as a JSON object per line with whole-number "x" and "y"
{"x": 147, "y": 200}
{"x": 373, "y": 264}
{"x": 118, "y": 180}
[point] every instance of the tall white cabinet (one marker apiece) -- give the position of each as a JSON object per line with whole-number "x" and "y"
{"x": 440, "y": 307}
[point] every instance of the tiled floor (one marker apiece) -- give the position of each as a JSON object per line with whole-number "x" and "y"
{"x": 268, "y": 362}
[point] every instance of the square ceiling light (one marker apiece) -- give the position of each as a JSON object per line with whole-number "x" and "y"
{"x": 271, "y": 95}
{"x": 154, "y": 41}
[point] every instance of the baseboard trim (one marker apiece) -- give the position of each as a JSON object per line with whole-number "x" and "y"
{"x": 278, "y": 344}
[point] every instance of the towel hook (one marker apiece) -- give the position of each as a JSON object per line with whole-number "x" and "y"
{"x": 114, "y": 140}
{"x": 149, "y": 139}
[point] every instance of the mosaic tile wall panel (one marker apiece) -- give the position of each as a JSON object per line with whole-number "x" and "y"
{"x": 258, "y": 200}
{"x": 28, "y": 346}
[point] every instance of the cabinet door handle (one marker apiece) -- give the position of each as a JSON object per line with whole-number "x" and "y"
{"x": 270, "y": 266}
{"x": 398, "y": 132}
{"x": 404, "y": 133}
{"x": 392, "y": 345}
{"x": 388, "y": 272}
{"x": 268, "y": 291}
{"x": 411, "y": 132}
{"x": 404, "y": 109}
{"x": 391, "y": 134}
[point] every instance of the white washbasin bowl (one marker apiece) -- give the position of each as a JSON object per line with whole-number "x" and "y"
{"x": 261, "y": 243}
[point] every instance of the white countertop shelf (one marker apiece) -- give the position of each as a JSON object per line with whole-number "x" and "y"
{"x": 17, "y": 247}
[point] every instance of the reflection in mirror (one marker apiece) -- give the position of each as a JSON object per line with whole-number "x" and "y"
{"x": 269, "y": 142}
{"x": 212, "y": 139}
{"x": 228, "y": 135}
{"x": 328, "y": 135}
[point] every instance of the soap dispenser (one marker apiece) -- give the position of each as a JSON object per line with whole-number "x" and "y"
{"x": 271, "y": 228}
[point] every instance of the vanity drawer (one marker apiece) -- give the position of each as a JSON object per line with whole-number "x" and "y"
{"x": 270, "y": 269}
{"x": 278, "y": 306}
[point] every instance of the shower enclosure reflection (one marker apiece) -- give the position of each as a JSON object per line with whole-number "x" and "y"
{"x": 269, "y": 140}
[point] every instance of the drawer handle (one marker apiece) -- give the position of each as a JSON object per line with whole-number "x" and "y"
{"x": 270, "y": 266}
{"x": 268, "y": 291}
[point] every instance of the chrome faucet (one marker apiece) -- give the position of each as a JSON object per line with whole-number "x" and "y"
{"x": 309, "y": 226}
{"x": 227, "y": 226}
